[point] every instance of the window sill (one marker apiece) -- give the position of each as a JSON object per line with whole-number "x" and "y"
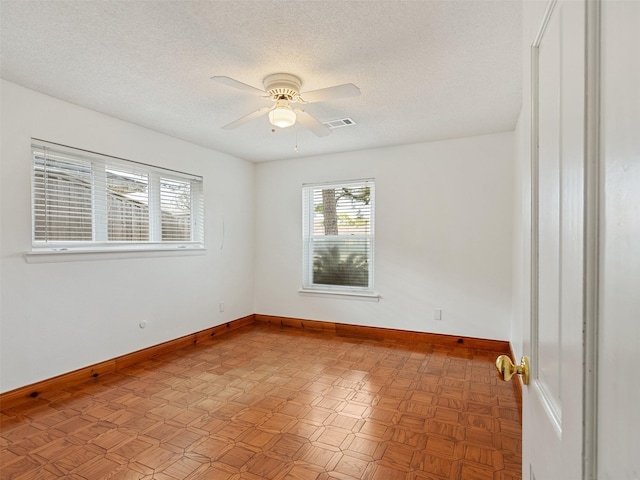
{"x": 366, "y": 296}
{"x": 80, "y": 255}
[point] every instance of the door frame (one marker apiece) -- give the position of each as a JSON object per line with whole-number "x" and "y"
{"x": 593, "y": 193}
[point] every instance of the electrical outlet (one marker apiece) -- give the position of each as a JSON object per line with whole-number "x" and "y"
{"x": 437, "y": 314}
{"x": 221, "y": 306}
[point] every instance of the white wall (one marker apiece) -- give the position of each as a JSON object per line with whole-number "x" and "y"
{"x": 57, "y": 317}
{"x": 444, "y": 227}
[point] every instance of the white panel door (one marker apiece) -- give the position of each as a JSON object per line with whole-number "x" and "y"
{"x": 553, "y": 400}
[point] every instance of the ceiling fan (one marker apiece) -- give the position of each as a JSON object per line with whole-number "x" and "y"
{"x": 283, "y": 89}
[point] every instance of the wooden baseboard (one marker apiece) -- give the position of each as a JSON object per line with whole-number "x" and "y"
{"x": 378, "y": 333}
{"x": 40, "y": 389}
{"x": 296, "y": 323}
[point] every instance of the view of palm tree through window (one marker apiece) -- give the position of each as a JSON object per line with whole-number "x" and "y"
{"x": 341, "y": 235}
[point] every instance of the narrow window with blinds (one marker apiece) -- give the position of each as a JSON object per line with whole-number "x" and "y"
{"x": 87, "y": 201}
{"x": 338, "y": 236}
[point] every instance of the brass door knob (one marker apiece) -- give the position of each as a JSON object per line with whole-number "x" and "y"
{"x": 506, "y": 369}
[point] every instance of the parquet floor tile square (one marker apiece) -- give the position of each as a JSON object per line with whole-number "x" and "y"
{"x": 278, "y": 404}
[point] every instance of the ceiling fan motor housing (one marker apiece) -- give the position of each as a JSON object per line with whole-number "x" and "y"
{"x": 283, "y": 86}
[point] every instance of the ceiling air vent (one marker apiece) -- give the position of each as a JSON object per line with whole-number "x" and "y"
{"x": 342, "y": 122}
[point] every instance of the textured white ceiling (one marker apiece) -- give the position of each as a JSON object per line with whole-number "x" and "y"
{"x": 427, "y": 70}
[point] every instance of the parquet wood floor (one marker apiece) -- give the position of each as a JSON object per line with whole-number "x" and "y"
{"x": 270, "y": 403}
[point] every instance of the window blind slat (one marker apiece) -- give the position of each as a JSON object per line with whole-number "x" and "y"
{"x": 80, "y": 196}
{"x": 338, "y": 235}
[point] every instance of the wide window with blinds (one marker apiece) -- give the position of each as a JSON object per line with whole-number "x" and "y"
{"x": 338, "y": 236}
{"x": 89, "y": 201}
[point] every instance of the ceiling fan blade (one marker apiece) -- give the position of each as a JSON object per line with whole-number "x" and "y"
{"x": 345, "y": 90}
{"x": 310, "y": 122}
{"x": 247, "y": 118}
{"x": 230, "y": 82}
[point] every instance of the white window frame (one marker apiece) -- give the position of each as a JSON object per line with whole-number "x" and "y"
{"x": 99, "y": 245}
{"x": 309, "y": 240}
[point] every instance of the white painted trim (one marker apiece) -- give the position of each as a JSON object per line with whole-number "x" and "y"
{"x": 535, "y": 95}
{"x": 535, "y": 87}
{"x": 593, "y": 191}
{"x": 369, "y": 296}
{"x": 545, "y": 21}
{"x": 555, "y": 418}
{"x": 55, "y": 256}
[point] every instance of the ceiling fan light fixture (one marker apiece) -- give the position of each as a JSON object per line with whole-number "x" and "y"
{"x": 283, "y": 89}
{"x": 282, "y": 116}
